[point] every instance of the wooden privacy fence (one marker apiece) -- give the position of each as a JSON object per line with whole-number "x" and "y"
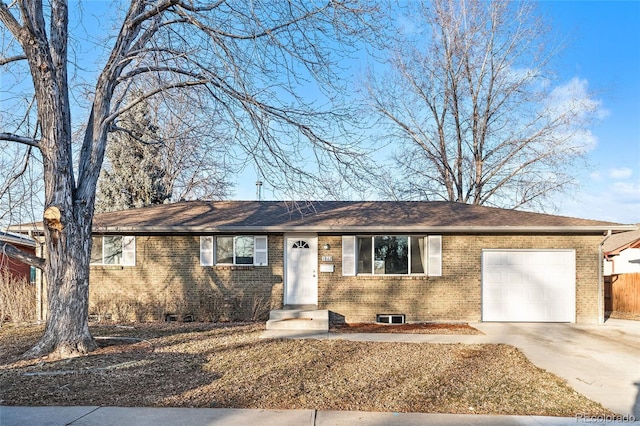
{"x": 622, "y": 293}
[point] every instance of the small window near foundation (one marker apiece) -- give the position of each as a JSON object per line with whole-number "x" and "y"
{"x": 391, "y": 318}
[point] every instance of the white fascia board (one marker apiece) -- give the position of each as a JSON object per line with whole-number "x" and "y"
{"x": 362, "y": 229}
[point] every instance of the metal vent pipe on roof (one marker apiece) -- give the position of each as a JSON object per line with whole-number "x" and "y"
{"x": 259, "y": 190}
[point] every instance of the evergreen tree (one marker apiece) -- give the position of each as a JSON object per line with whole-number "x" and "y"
{"x": 133, "y": 175}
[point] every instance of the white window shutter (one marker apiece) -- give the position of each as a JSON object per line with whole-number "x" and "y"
{"x": 434, "y": 255}
{"x": 206, "y": 250}
{"x": 128, "y": 251}
{"x": 348, "y": 255}
{"x": 260, "y": 256}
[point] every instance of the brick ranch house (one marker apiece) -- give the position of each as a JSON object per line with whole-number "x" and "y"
{"x": 424, "y": 261}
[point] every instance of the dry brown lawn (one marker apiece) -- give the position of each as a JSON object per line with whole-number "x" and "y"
{"x": 218, "y": 365}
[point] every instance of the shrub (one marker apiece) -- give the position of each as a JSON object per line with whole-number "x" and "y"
{"x": 201, "y": 306}
{"x": 17, "y": 299}
{"x": 99, "y": 308}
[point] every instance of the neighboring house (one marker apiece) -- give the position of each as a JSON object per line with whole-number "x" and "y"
{"x": 622, "y": 253}
{"x": 428, "y": 261}
{"x": 14, "y": 267}
{"x": 622, "y": 272}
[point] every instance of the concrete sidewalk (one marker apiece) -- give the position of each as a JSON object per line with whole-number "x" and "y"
{"x": 601, "y": 362}
{"x": 85, "y": 416}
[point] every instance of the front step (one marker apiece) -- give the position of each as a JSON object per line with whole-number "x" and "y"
{"x": 299, "y": 319}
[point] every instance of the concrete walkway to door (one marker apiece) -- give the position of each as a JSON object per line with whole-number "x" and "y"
{"x": 601, "y": 362}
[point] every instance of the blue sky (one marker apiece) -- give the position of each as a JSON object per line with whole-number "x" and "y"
{"x": 603, "y": 52}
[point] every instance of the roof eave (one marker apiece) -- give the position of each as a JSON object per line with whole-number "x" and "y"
{"x": 361, "y": 229}
{"x": 18, "y": 241}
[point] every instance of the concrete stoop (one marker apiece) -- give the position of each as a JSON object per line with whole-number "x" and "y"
{"x": 299, "y": 319}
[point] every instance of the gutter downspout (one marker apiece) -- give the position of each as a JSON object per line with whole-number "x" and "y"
{"x": 39, "y": 283}
{"x": 601, "y": 279}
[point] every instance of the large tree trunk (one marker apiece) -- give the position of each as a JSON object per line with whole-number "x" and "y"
{"x": 67, "y": 225}
{"x": 68, "y": 216}
{"x": 67, "y": 276}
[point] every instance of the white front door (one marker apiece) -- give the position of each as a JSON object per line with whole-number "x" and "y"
{"x": 301, "y": 287}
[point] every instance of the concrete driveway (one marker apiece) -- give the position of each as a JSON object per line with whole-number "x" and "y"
{"x": 601, "y": 362}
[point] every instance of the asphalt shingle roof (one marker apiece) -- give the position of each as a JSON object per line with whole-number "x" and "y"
{"x": 326, "y": 216}
{"x": 618, "y": 242}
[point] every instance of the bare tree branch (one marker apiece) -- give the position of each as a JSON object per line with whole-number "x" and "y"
{"x": 22, "y": 256}
{"x": 25, "y": 140}
{"x": 5, "y": 61}
{"x": 9, "y": 20}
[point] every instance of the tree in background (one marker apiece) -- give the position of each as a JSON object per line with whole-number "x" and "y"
{"x": 247, "y": 62}
{"x": 20, "y": 182}
{"x": 470, "y": 104}
{"x": 133, "y": 175}
{"x": 157, "y": 155}
{"x": 195, "y": 151}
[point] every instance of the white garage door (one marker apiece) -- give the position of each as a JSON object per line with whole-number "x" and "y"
{"x": 529, "y": 285}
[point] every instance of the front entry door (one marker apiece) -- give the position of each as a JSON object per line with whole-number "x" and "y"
{"x": 301, "y": 286}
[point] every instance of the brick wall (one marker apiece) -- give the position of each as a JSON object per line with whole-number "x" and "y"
{"x": 168, "y": 279}
{"x": 456, "y": 295}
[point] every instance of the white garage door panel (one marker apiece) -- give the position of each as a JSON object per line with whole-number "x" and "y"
{"x": 528, "y": 285}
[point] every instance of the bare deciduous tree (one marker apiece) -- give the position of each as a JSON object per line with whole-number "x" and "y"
{"x": 20, "y": 182}
{"x": 196, "y": 153}
{"x": 246, "y": 59}
{"x": 165, "y": 149}
{"x": 471, "y": 104}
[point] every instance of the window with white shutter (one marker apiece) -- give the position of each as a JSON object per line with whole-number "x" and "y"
{"x": 113, "y": 250}
{"x": 392, "y": 255}
{"x": 234, "y": 250}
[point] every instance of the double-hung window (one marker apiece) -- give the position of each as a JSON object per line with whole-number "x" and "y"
{"x": 233, "y": 250}
{"x": 113, "y": 250}
{"x": 392, "y": 255}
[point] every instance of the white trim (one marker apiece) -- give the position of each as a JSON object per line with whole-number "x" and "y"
{"x": 17, "y": 239}
{"x": 381, "y": 230}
